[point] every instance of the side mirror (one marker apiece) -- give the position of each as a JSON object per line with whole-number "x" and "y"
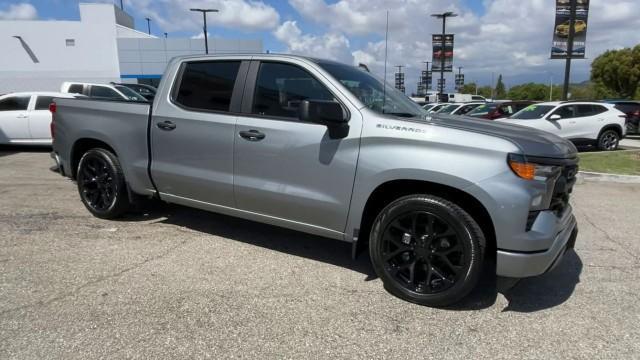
{"x": 555, "y": 117}
{"x": 328, "y": 113}
{"x": 325, "y": 112}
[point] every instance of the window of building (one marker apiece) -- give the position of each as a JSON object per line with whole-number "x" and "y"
{"x": 70, "y": 42}
{"x": 281, "y": 88}
{"x": 208, "y": 85}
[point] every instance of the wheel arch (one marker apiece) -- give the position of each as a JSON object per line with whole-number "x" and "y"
{"x": 387, "y": 192}
{"x": 617, "y": 128}
{"x": 81, "y": 146}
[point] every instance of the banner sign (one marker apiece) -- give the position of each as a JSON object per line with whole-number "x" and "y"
{"x": 426, "y": 79}
{"x": 459, "y": 81}
{"x": 562, "y": 27}
{"x": 439, "y": 52}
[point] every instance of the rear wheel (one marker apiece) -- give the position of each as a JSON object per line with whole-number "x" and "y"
{"x": 101, "y": 184}
{"x": 608, "y": 140}
{"x": 427, "y": 250}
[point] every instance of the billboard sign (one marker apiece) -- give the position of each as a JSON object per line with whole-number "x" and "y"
{"x": 562, "y": 27}
{"x": 439, "y": 52}
{"x": 426, "y": 79}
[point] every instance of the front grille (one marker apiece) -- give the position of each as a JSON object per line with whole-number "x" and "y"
{"x": 564, "y": 187}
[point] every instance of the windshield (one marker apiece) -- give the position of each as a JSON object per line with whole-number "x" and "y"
{"x": 448, "y": 109}
{"x": 482, "y": 110}
{"x": 371, "y": 92}
{"x": 532, "y": 112}
{"x": 132, "y": 95}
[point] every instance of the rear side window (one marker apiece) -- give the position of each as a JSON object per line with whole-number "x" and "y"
{"x": 15, "y": 103}
{"x": 208, "y": 85}
{"x": 281, "y": 88}
{"x": 42, "y": 102}
{"x": 75, "y": 89}
{"x": 104, "y": 93}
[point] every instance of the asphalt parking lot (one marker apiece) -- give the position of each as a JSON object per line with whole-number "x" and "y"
{"x": 180, "y": 283}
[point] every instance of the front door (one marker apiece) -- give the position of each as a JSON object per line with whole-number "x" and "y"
{"x": 14, "y": 118}
{"x": 286, "y": 168}
{"x": 192, "y": 135}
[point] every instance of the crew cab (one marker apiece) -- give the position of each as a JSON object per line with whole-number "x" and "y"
{"x": 324, "y": 148}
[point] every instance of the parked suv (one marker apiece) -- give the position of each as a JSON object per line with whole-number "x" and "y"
{"x": 325, "y": 148}
{"x": 593, "y": 123}
{"x": 102, "y": 91}
{"x": 459, "y": 108}
{"x": 497, "y": 110}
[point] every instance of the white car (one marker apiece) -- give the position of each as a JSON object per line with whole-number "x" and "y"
{"x": 582, "y": 122}
{"x": 25, "y": 118}
{"x": 102, "y": 91}
{"x": 459, "y": 108}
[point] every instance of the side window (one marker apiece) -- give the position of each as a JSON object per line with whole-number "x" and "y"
{"x": 104, "y": 93}
{"x": 565, "y": 112}
{"x": 599, "y": 109}
{"x": 208, "y": 85}
{"x": 75, "y": 89}
{"x": 15, "y": 103}
{"x": 585, "y": 110}
{"x": 42, "y": 102}
{"x": 280, "y": 88}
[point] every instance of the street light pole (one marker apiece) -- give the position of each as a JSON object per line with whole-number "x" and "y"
{"x": 148, "y": 26}
{"x": 444, "y": 17}
{"x": 572, "y": 32}
{"x": 204, "y": 18}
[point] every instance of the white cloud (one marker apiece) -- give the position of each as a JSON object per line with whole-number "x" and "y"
{"x": 510, "y": 37}
{"x": 241, "y": 15}
{"x": 329, "y": 46}
{"x": 22, "y": 11}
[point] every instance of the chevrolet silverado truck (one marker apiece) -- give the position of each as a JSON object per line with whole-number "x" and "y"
{"x": 329, "y": 149}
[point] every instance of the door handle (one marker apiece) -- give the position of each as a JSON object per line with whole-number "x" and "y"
{"x": 22, "y": 116}
{"x": 252, "y": 135}
{"x": 166, "y": 125}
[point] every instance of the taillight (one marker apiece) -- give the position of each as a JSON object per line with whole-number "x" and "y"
{"x": 52, "y": 127}
{"x": 636, "y": 113}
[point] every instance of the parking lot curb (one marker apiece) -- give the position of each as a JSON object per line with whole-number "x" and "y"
{"x": 587, "y": 176}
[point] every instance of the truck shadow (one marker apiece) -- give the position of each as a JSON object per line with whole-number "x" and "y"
{"x": 6, "y": 150}
{"x": 529, "y": 295}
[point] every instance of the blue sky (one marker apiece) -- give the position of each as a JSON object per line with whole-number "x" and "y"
{"x": 506, "y": 37}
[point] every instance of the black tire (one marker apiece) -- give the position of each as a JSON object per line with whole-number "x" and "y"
{"x": 101, "y": 184}
{"x": 608, "y": 140}
{"x": 447, "y": 258}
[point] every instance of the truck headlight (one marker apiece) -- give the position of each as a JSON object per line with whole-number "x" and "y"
{"x": 532, "y": 171}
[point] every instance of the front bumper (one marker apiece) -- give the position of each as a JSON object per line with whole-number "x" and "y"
{"x": 519, "y": 264}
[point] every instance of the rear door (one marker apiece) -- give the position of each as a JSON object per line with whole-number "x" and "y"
{"x": 40, "y": 118}
{"x": 14, "y": 118}
{"x": 193, "y": 132}
{"x": 292, "y": 169}
{"x": 590, "y": 119}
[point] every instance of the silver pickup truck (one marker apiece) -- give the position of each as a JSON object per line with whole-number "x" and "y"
{"x": 325, "y": 148}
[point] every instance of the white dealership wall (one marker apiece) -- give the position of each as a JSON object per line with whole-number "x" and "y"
{"x": 38, "y": 54}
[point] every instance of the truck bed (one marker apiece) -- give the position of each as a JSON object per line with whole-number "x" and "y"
{"x": 124, "y": 125}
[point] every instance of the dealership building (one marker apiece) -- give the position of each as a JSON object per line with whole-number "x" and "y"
{"x": 101, "y": 47}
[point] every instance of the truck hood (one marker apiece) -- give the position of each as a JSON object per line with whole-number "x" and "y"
{"x": 531, "y": 141}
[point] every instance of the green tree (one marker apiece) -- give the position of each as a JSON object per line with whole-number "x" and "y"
{"x": 469, "y": 88}
{"x": 501, "y": 91}
{"x": 616, "y": 73}
{"x": 485, "y": 91}
{"x": 529, "y": 91}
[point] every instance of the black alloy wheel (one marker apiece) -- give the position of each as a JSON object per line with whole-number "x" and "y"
{"x": 101, "y": 184}
{"x": 608, "y": 140}
{"x": 427, "y": 250}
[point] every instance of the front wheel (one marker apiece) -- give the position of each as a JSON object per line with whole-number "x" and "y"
{"x": 101, "y": 184}
{"x": 427, "y": 250}
{"x": 608, "y": 140}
